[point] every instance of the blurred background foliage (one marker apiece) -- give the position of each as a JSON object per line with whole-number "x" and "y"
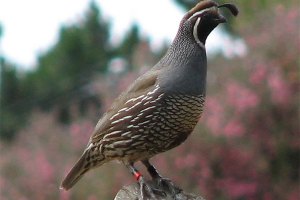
{"x": 246, "y": 146}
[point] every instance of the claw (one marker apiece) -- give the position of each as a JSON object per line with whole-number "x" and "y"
{"x": 168, "y": 185}
{"x": 147, "y": 192}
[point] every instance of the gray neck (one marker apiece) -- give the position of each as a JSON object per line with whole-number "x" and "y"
{"x": 185, "y": 66}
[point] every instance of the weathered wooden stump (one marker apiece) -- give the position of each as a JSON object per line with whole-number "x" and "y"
{"x": 132, "y": 192}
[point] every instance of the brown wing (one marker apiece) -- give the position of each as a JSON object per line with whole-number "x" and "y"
{"x": 142, "y": 85}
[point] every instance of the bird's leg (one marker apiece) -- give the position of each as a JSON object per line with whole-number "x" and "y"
{"x": 143, "y": 185}
{"x": 151, "y": 169}
{"x": 165, "y": 183}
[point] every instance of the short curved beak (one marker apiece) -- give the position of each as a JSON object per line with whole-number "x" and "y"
{"x": 221, "y": 19}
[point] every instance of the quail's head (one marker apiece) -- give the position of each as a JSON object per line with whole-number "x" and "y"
{"x": 203, "y": 18}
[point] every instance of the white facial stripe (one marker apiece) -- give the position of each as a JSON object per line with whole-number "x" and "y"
{"x": 198, "y": 13}
{"x": 195, "y": 32}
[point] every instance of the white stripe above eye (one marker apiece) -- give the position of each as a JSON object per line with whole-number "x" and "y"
{"x": 198, "y": 13}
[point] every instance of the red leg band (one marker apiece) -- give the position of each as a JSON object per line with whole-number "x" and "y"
{"x": 137, "y": 175}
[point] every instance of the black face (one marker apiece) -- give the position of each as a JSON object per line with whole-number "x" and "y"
{"x": 204, "y": 17}
{"x": 204, "y": 23}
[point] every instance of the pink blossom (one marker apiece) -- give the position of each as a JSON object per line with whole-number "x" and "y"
{"x": 234, "y": 159}
{"x": 241, "y": 98}
{"x": 294, "y": 195}
{"x": 237, "y": 189}
{"x": 280, "y": 92}
{"x": 258, "y": 75}
{"x": 213, "y": 115}
{"x": 178, "y": 163}
{"x": 191, "y": 160}
{"x": 80, "y": 133}
{"x": 44, "y": 168}
{"x": 188, "y": 161}
{"x": 234, "y": 128}
{"x": 206, "y": 171}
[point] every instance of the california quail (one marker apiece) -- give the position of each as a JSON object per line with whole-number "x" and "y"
{"x": 161, "y": 108}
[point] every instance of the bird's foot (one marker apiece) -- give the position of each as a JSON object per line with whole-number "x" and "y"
{"x": 168, "y": 185}
{"x": 149, "y": 193}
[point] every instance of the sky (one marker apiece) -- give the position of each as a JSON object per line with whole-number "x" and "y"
{"x": 30, "y": 27}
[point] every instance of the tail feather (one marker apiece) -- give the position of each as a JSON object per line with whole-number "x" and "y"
{"x": 75, "y": 173}
{"x": 80, "y": 168}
